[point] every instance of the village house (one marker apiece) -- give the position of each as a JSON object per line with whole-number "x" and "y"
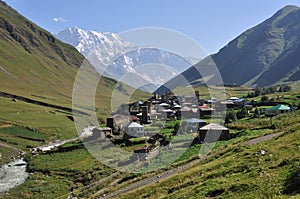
{"x": 186, "y": 113}
{"x": 155, "y": 115}
{"x": 117, "y": 122}
{"x": 193, "y": 124}
{"x": 96, "y": 134}
{"x": 227, "y": 103}
{"x": 213, "y": 132}
{"x": 101, "y": 132}
{"x": 276, "y": 110}
{"x": 206, "y": 110}
{"x": 135, "y": 129}
{"x": 240, "y": 102}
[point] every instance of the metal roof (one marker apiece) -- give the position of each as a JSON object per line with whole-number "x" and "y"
{"x": 213, "y": 126}
{"x": 278, "y": 107}
{"x": 195, "y": 120}
{"x": 134, "y": 125}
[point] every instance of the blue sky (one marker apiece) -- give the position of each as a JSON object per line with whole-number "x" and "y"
{"x": 212, "y": 23}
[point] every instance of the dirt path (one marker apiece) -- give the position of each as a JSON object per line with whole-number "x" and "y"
{"x": 263, "y": 138}
{"x": 5, "y": 126}
{"x": 9, "y": 146}
{"x": 166, "y": 174}
{"x": 149, "y": 180}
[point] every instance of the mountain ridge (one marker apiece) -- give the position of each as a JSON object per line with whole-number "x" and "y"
{"x": 87, "y": 42}
{"x": 264, "y": 44}
{"x": 121, "y": 58}
{"x": 261, "y": 56}
{"x": 36, "y": 65}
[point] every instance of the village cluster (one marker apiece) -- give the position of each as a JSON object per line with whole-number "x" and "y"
{"x": 137, "y": 119}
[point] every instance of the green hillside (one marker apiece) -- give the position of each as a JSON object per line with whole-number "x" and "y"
{"x": 239, "y": 169}
{"x": 236, "y": 168}
{"x": 34, "y": 64}
{"x": 264, "y": 55}
{"x": 38, "y": 72}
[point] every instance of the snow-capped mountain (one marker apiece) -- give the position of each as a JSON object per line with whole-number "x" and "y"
{"x": 153, "y": 65}
{"x": 141, "y": 67}
{"x": 105, "y": 45}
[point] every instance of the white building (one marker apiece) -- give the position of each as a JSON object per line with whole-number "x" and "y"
{"x": 135, "y": 129}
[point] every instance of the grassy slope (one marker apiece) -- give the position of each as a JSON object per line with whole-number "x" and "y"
{"x": 24, "y": 125}
{"x": 36, "y": 65}
{"x": 40, "y": 66}
{"x": 45, "y": 120}
{"x": 236, "y": 171}
{"x": 53, "y": 173}
{"x": 214, "y": 91}
{"x": 46, "y": 72}
{"x": 263, "y": 55}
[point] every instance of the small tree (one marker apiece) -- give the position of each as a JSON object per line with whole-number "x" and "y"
{"x": 287, "y": 88}
{"x": 251, "y": 94}
{"x": 230, "y": 117}
{"x": 242, "y": 113}
{"x": 257, "y": 91}
{"x": 264, "y": 98}
{"x": 257, "y": 113}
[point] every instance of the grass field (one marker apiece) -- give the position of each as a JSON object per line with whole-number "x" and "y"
{"x": 24, "y": 126}
{"x": 235, "y": 168}
{"x": 54, "y": 173}
{"x": 36, "y": 65}
{"x": 50, "y": 122}
{"x": 238, "y": 170}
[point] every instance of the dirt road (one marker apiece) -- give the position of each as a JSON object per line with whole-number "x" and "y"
{"x": 263, "y": 138}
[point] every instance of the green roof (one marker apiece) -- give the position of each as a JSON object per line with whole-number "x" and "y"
{"x": 278, "y": 107}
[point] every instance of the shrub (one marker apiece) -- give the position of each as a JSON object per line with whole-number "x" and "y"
{"x": 242, "y": 113}
{"x": 230, "y": 116}
{"x": 257, "y": 113}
